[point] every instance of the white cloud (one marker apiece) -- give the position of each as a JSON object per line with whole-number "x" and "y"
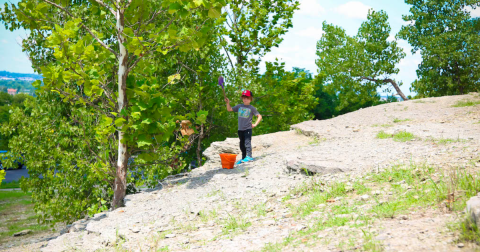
{"x": 473, "y": 12}
{"x": 353, "y": 9}
{"x": 311, "y": 32}
{"x": 311, "y": 7}
{"x": 409, "y": 62}
{"x": 4, "y": 41}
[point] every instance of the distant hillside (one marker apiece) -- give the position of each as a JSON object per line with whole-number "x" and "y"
{"x": 19, "y": 76}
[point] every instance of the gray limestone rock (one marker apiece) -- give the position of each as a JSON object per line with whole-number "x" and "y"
{"x": 308, "y": 163}
{"x": 22, "y": 233}
{"x": 230, "y": 145}
{"x": 473, "y": 208}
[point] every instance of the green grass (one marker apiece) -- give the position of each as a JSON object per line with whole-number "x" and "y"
{"x": 469, "y": 232}
{"x": 466, "y": 103}
{"x": 412, "y": 186}
{"x": 383, "y": 135}
{"x": 396, "y": 120}
{"x": 370, "y": 244}
{"x": 403, "y": 136}
{"x": 16, "y": 208}
{"x": 444, "y": 141}
{"x": 261, "y": 210}
{"x": 316, "y": 140}
{"x": 13, "y": 195}
{"x": 383, "y": 125}
{"x": 233, "y": 224}
{"x": 10, "y": 185}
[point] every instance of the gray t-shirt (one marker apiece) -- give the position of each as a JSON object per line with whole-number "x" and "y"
{"x": 245, "y": 114}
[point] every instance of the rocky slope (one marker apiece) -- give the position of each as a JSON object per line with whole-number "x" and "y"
{"x": 256, "y": 205}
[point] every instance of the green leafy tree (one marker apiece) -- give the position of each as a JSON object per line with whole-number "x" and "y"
{"x": 325, "y": 108}
{"x": 283, "y": 98}
{"x": 101, "y": 62}
{"x": 5, "y": 99}
{"x": 57, "y": 141}
{"x": 253, "y": 28}
{"x": 449, "y": 42}
{"x": 2, "y": 175}
{"x": 355, "y": 67}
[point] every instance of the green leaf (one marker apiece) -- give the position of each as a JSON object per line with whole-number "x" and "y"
{"x": 119, "y": 121}
{"x": 202, "y": 116}
{"x": 174, "y": 7}
{"x": 214, "y": 13}
{"x": 173, "y": 78}
{"x": 144, "y": 140}
{"x": 147, "y": 121}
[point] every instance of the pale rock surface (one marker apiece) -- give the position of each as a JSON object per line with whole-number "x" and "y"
{"x": 176, "y": 207}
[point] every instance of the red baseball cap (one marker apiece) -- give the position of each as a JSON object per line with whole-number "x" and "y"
{"x": 247, "y": 93}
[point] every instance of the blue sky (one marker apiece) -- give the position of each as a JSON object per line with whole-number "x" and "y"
{"x": 12, "y": 58}
{"x": 299, "y": 45}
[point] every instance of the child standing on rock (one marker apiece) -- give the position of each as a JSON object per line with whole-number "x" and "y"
{"x": 245, "y": 126}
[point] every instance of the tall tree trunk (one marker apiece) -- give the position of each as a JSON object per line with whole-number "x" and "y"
{"x": 199, "y": 147}
{"x": 120, "y": 184}
{"x": 200, "y": 136}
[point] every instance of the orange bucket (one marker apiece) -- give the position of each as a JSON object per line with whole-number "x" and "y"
{"x": 228, "y": 160}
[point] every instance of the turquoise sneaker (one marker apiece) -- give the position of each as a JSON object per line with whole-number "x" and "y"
{"x": 239, "y": 162}
{"x": 248, "y": 159}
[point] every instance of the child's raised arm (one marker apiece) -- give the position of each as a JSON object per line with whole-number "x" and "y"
{"x": 229, "y": 108}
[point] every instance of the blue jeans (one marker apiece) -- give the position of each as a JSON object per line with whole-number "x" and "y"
{"x": 245, "y": 142}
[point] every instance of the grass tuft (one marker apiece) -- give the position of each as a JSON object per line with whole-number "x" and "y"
{"x": 403, "y": 136}
{"x": 383, "y": 135}
{"x": 396, "y": 120}
{"x": 233, "y": 224}
{"x": 10, "y": 185}
{"x": 466, "y": 103}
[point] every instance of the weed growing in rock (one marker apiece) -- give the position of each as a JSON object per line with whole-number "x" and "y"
{"x": 298, "y": 131}
{"x": 215, "y": 193}
{"x": 233, "y": 224}
{"x": 396, "y": 120}
{"x": 403, "y": 136}
{"x": 382, "y": 125}
{"x": 468, "y": 231}
{"x": 466, "y": 103}
{"x": 261, "y": 210}
{"x": 369, "y": 243}
{"x": 316, "y": 140}
{"x": 422, "y": 101}
{"x": 383, "y": 135}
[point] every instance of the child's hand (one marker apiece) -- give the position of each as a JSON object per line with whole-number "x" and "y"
{"x": 227, "y": 100}
{"x": 254, "y": 125}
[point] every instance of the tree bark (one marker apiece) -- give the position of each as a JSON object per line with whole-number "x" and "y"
{"x": 199, "y": 147}
{"x": 200, "y": 135}
{"x": 394, "y": 84}
{"x": 397, "y": 88}
{"x": 120, "y": 184}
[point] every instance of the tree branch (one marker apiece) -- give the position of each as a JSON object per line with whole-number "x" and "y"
{"x": 387, "y": 80}
{"x": 106, "y": 7}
